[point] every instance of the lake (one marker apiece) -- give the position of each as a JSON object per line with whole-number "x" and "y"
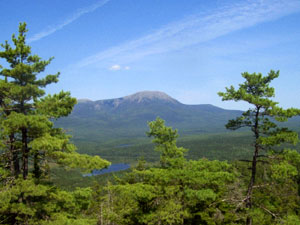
{"x": 113, "y": 168}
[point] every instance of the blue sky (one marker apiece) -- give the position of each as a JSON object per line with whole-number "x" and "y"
{"x": 189, "y": 49}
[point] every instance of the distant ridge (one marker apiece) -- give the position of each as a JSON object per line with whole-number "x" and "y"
{"x": 127, "y": 117}
{"x": 116, "y": 128}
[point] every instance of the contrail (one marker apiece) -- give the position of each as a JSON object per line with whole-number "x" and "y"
{"x": 75, "y": 16}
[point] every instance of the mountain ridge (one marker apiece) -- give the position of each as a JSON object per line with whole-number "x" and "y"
{"x": 142, "y": 97}
{"x": 97, "y": 126}
{"x": 128, "y": 116}
{"x": 136, "y": 97}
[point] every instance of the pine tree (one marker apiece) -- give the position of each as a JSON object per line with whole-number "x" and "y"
{"x": 262, "y": 119}
{"x": 29, "y": 140}
{"x": 27, "y": 131}
{"x": 165, "y": 140}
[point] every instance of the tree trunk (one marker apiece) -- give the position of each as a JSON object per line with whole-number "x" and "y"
{"x": 253, "y": 167}
{"x": 251, "y": 184}
{"x": 25, "y": 152}
{"x": 36, "y": 166}
{"x": 14, "y": 160}
{"x": 11, "y": 155}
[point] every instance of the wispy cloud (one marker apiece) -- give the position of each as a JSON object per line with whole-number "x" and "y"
{"x": 80, "y": 12}
{"x": 194, "y": 30}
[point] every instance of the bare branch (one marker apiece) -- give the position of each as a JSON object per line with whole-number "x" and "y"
{"x": 268, "y": 211}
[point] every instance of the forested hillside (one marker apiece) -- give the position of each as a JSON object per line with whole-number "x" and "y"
{"x": 126, "y": 117}
{"x": 261, "y": 186}
{"x": 115, "y": 128}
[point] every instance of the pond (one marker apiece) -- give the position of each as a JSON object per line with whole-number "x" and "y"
{"x": 113, "y": 168}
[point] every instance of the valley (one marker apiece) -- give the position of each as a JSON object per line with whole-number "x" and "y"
{"x": 116, "y": 129}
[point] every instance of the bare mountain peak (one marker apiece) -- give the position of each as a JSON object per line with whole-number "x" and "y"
{"x": 149, "y": 95}
{"x": 143, "y": 97}
{"x": 83, "y": 100}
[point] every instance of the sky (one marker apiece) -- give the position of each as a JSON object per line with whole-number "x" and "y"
{"x": 188, "y": 49}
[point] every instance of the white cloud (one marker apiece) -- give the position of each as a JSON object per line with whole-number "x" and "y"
{"x": 119, "y": 67}
{"x": 72, "y": 18}
{"x": 194, "y": 30}
{"x": 115, "y": 67}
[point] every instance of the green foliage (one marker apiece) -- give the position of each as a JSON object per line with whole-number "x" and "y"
{"x": 29, "y": 141}
{"x": 185, "y": 193}
{"x": 256, "y": 91}
{"x": 55, "y": 106}
{"x": 277, "y": 189}
{"x": 263, "y": 120}
{"x": 26, "y": 130}
{"x": 27, "y": 202}
{"x": 165, "y": 140}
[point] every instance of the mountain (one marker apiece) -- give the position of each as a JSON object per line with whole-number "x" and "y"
{"x": 115, "y": 128}
{"x": 127, "y": 117}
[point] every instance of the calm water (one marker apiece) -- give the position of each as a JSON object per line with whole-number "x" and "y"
{"x": 112, "y": 168}
{"x": 124, "y": 146}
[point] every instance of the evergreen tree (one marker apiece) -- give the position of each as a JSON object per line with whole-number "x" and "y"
{"x": 29, "y": 140}
{"x": 165, "y": 141}
{"x": 178, "y": 192}
{"x": 262, "y": 119}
